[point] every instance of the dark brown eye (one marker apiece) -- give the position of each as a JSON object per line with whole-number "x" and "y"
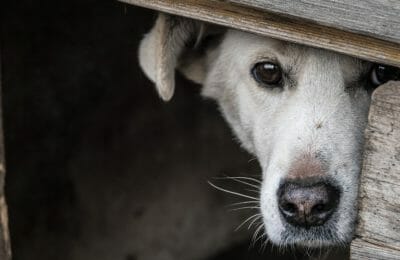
{"x": 267, "y": 73}
{"x": 381, "y": 74}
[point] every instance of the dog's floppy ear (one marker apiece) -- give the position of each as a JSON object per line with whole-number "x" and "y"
{"x": 173, "y": 42}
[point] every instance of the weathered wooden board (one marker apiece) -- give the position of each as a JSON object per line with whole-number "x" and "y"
{"x": 378, "y": 231}
{"x": 361, "y": 250}
{"x": 264, "y": 23}
{"x": 376, "y": 18}
{"x": 5, "y": 246}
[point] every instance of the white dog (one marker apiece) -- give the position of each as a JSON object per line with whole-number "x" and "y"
{"x": 300, "y": 110}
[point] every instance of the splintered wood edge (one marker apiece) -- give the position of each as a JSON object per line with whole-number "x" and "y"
{"x": 275, "y": 26}
{"x": 4, "y": 232}
{"x": 5, "y": 251}
{"x": 5, "y": 242}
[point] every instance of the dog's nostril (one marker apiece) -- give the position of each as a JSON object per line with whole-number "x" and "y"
{"x": 307, "y": 205}
{"x": 289, "y": 207}
{"x": 319, "y": 208}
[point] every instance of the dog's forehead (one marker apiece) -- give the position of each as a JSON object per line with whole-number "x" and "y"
{"x": 253, "y": 48}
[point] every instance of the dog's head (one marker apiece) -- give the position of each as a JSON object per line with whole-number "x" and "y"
{"x": 301, "y": 111}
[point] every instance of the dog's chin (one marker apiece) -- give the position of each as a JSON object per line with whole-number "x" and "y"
{"x": 313, "y": 237}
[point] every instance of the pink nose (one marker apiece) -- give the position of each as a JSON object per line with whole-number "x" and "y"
{"x": 305, "y": 166}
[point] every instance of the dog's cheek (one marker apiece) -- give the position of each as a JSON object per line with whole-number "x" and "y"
{"x": 273, "y": 224}
{"x": 212, "y": 89}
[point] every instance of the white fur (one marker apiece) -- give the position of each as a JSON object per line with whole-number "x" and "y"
{"x": 319, "y": 112}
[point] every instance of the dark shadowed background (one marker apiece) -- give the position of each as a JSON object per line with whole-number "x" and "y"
{"x": 98, "y": 167}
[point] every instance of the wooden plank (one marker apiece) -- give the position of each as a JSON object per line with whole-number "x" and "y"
{"x": 379, "y": 216}
{"x": 5, "y": 245}
{"x": 376, "y": 18}
{"x": 361, "y": 250}
{"x": 264, "y": 23}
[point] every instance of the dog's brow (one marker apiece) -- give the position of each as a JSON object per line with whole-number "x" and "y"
{"x": 274, "y": 50}
{"x": 281, "y": 47}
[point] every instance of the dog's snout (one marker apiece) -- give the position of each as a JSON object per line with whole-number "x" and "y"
{"x": 307, "y": 205}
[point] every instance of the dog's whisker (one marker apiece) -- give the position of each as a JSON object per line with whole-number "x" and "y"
{"x": 243, "y": 178}
{"x": 258, "y": 229}
{"x": 252, "y": 222}
{"x": 247, "y": 220}
{"x": 264, "y": 244}
{"x": 243, "y": 202}
{"x": 233, "y": 192}
{"x": 252, "y": 159}
{"x": 240, "y": 180}
{"x": 256, "y": 237}
{"x": 241, "y": 208}
{"x": 251, "y": 190}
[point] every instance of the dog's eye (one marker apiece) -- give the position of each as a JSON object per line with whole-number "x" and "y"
{"x": 381, "y": 74}
{"x": 267, "y": 73}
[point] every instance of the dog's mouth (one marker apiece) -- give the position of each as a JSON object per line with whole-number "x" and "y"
{"x": 312, "y": 237}
{"x": 316, "y": 236}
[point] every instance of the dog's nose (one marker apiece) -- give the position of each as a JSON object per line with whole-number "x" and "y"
{"x": 307, "y": 205}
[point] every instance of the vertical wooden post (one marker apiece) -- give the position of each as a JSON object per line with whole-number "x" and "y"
{"x": 378, "y": 232}
{"x": 5, "y": 245}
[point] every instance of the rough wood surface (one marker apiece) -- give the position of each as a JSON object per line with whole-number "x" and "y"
{"x": 5, "y": 245}
{"x": 377, "y": 18}
{"x": 264, "y": 23}
{"x": 361, "y": 250}
{"x": 379, "y": 216}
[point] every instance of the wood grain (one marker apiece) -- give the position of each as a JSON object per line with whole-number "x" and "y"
{"x": 5, "y": 245}
{"x": 264, "y": 23}
{"x": 379, "y": 216}
{"x": 376, "y": 18}
{"x": 361, "y": 250}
